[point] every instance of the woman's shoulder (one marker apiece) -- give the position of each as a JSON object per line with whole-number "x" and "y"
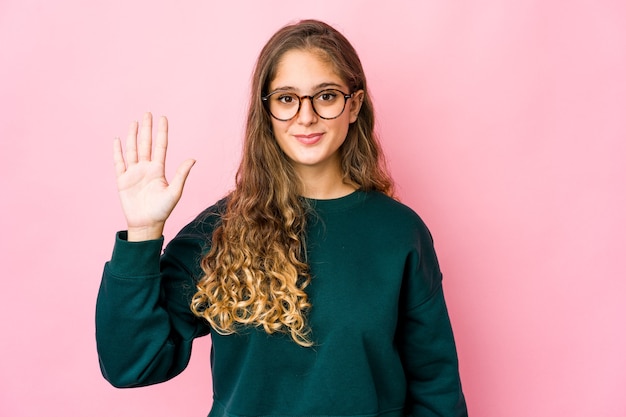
{"x": 194, "y": 239}
{"x": 205, "y": 222}
{"x": 391, "y": 206}
{"x": 393, "y": 213}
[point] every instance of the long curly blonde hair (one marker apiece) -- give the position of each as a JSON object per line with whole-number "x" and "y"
{"x": 255, "y": 272}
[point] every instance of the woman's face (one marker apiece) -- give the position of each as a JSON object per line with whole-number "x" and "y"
{"x": 308, "y": 140}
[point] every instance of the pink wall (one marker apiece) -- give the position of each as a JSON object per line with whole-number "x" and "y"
{"x": 503, "y": 122}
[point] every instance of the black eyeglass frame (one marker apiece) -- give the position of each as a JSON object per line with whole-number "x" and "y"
{"x": 346, "y": 97}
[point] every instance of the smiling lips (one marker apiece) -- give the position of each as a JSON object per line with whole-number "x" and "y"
{"x": 310, "y": 139}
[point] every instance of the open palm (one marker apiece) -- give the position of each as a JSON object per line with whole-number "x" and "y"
{"x": 146, "y": 196}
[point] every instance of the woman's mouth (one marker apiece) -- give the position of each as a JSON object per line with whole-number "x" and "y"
{"x": 309, "y": 139}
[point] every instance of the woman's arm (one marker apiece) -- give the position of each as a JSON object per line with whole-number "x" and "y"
{"x": 425, "y": 337}
{"x": 144, "y": 326}
{"x": 430, "y": 361}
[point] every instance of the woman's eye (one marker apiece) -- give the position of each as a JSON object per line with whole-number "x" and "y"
{"x": 285, "y": 99}
{"x": 327, "y": 96}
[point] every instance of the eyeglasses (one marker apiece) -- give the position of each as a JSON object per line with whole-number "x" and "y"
{"x": 327, "y": 104}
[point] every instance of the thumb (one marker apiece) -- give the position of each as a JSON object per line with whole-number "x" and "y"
{"x": 182, "y": 172}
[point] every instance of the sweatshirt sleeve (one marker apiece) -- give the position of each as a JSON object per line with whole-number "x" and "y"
{"x": 144, "y": 325}
{"x": 426, "y": 340}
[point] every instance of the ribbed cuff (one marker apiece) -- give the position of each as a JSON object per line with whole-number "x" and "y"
{"x": 135, "y": 259}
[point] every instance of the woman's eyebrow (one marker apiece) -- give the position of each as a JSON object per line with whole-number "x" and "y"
{"x": 327, "y": 85}
{"x": 318, "y": 87}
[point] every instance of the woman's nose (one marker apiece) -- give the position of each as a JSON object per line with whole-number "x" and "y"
{"x": 306, "y": 114}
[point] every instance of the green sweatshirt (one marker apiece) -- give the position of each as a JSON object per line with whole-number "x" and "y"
{"x": 383, "y": 341}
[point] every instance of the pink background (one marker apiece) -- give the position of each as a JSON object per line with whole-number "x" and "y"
{"x": 503, "y": 121}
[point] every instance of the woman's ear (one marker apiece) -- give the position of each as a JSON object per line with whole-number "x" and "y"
{"x": 355, "y": 104}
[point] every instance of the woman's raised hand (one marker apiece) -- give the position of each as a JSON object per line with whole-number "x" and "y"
{"x": 147, "y": 198}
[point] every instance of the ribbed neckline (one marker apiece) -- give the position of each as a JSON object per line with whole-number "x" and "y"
{"x": 338, "y": 204}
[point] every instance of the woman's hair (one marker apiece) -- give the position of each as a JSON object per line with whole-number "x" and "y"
{"x": 255, "y": 272}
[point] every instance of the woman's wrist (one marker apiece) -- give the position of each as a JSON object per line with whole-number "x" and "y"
{"x": 139, "y": 234}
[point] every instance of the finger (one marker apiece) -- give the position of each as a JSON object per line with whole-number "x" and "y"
{"x": 160, "y": 147}
{"x": 178, "y": 182}
{"x": 131, "y": 143}
{"x": 144, "y": 147}
{"x": 118, "y": 157}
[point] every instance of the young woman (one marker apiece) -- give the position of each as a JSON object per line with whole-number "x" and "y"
{"x": 321, "y": 292}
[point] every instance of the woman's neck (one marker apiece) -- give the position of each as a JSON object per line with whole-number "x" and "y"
{"x": 320, "y": 193}
{"x": 323, "y": 184}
